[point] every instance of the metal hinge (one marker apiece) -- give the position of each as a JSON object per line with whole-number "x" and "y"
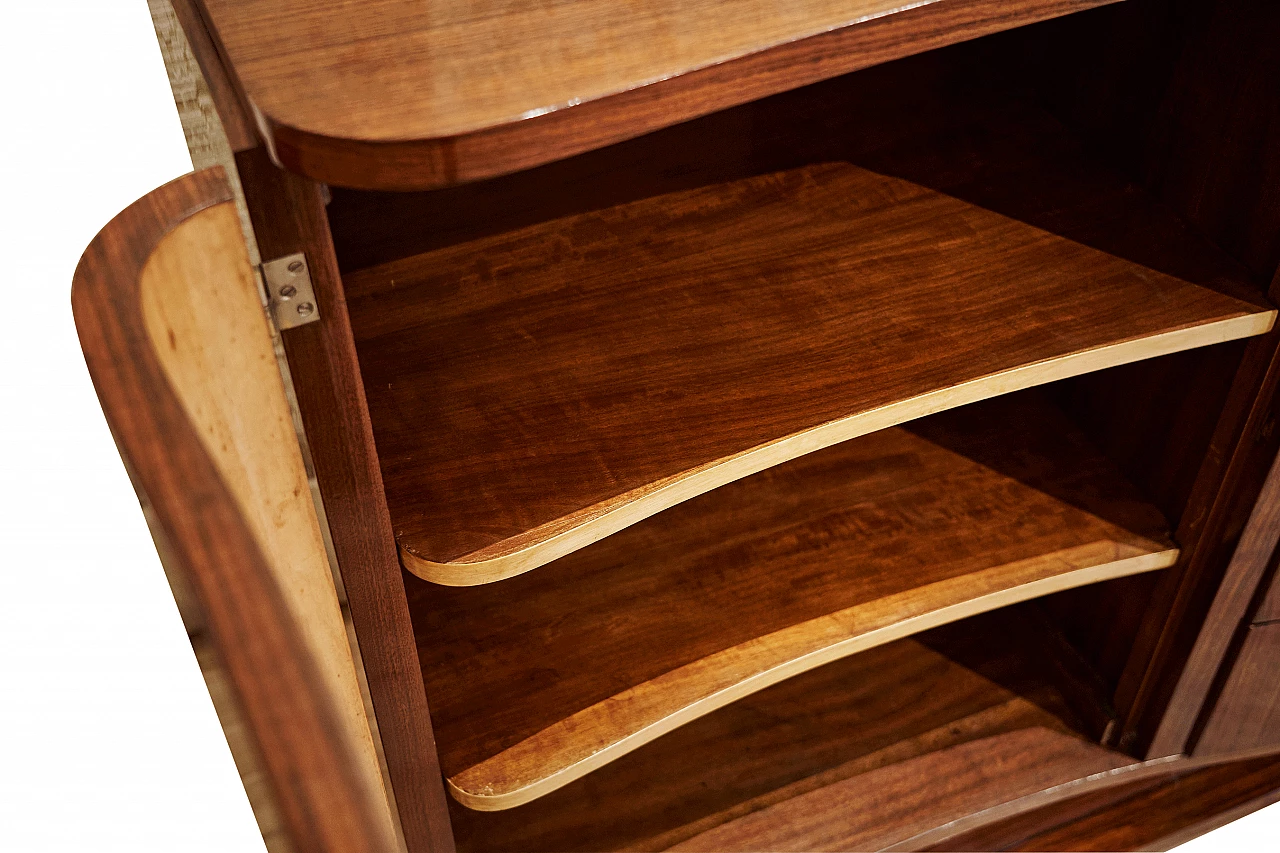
{"x": 289, "y": 293}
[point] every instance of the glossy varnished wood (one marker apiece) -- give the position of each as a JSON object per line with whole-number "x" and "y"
{"x": 185, "y": 237}
{"x": 950, "y": 686}
{"x": 535, "y": 391}
{"x": 399, "y": 96}
{"x": 756, "y": 582}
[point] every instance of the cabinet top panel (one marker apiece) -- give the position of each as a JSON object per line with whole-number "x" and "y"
{"x": 404, "y": 94}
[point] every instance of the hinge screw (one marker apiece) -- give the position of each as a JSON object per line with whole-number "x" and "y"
{"x": 288, "y": 291}
{"x": 295, "y": 267}
{"x": 305, "y": 309}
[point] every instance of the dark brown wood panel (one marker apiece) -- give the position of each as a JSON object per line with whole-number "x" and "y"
{"x": 1144, "y": 815}
{"x": 294, "y": 722}
{"x": 1215, "y": 150}
{"x": 952, "y": 685}
{"x": 1001, "y": 834}
{"x": 823, "y": 557}
{"x": 1269, "y": 607}
{"x": 1246, "y": 714}
{"x": 396, "y": 98}
{"x": 1180, "y": 94}
{"x": 1239, "y": 587}
{"x": 288, "y": 216}
{"x": 894, "y": 803}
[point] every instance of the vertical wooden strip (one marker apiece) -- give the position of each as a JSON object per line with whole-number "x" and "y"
{"x": 1248, "y": 563}
{"x": 288, "y": 216}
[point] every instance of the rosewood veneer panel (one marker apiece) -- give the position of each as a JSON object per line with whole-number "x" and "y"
{"x": 534, "y": 391}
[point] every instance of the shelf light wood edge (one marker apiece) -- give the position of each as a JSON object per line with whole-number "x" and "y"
{"x": 509, "y": 558}
{"x": 468, "y": 789}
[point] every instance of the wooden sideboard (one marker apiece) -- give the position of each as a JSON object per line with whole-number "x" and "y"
{"x": 834, "y": 425}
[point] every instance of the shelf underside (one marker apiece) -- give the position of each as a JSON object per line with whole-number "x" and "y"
{"x": 539, "y": 680}
{"x": 403, "y": 96}
{"x": 970, "y": 707}
{"x": 535, "y": 391}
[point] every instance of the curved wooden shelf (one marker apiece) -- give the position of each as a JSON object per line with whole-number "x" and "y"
{"x": 836, "y": 552}
{"x": 405, "y": 96}
{"x": 535, "y": 391}
{"x": 898, "y": 711}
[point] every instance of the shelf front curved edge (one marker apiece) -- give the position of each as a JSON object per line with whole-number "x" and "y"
{"x": 549, "y": 542}
{"x": 567, "y": 750}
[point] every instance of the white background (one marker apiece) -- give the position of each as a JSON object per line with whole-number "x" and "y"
{"x": 108, "y": 740}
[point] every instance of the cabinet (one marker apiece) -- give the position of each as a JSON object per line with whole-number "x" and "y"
{"x": 736, "y": 426}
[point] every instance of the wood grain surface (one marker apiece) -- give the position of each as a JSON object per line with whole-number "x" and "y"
{"x": 1246, "y": 714}
{"x": 289, "y": 216}
{"x": 325, "y": 801}
{"x": 949, "y": 686}
{"x": 1269, "y": 607}
{"x": 532, "y": 392}
{"x": 1252, "y": 555}
{"x": 396, "y": 95}
{"x": 959, "y": 120}
{"x": 214, "y": 345}
{"x": 756, "y": 582}
{"x": 891, "y": 804}
{"x": 1180, "y": 97}
{"x": 1150, "y": 814}
{"x": 1179, "y": 648}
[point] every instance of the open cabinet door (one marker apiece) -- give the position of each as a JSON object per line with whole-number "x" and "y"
{"x": 177, "y": 343}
